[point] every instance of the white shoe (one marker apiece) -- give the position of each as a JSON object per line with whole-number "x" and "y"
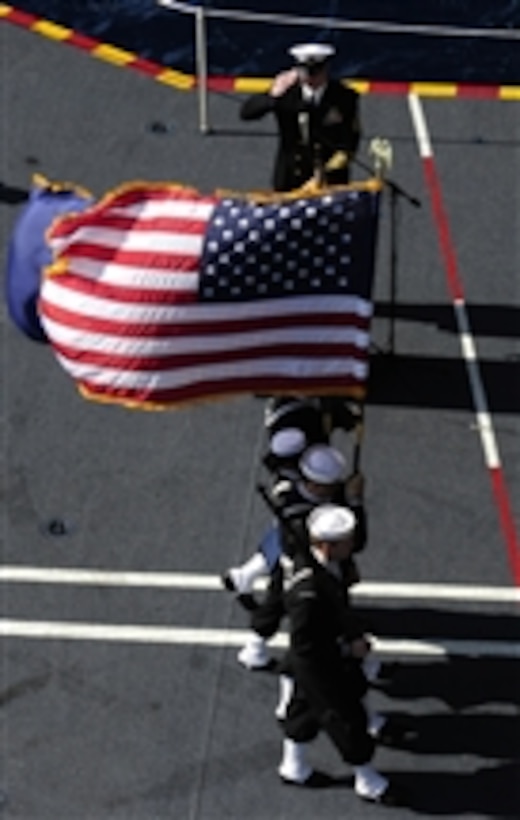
{"x": 371, "y": 668}
{"x": 254, "y": 655}
{"x": 294, "y": 767}
{"x": 376, "y": 722}
{"x": 369, "y": 784}
{"x": 235, "y": 582}
{"x": 242, "y": 579}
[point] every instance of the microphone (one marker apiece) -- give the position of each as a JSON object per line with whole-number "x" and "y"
{"x": 381, "y": 152}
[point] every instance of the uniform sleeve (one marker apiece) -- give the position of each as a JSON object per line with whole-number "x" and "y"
{"x": 361, "y": 531}
{"x": 256, "y": 106}
{"x": 294, "y": 536}
{"x": 266, "y": 619}
{"x": 347, "y": 135}
{"x": 301, "y": 608}
{"x": 304, "y": 624}
{"x": 354, "y": 136}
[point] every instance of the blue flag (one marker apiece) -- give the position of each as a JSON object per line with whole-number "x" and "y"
{"x": 28, "y": 252}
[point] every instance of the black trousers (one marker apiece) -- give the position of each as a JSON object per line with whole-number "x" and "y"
{"x": 345, "y": 722}
{"x": 266, "y": 620}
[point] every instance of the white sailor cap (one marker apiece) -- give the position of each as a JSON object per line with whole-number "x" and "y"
{"x": 288, "y": 442}
{"x": 330, "y": 522}
{"x": 312, "y": 53}
{"x": 323, "y": 464}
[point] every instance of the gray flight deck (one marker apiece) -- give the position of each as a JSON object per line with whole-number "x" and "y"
{"x": 114, "y": 729}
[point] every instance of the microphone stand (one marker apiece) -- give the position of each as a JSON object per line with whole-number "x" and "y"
{"x": 396, "y": 193}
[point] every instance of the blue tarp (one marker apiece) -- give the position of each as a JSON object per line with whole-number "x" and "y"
{"x": 259, "y": 49}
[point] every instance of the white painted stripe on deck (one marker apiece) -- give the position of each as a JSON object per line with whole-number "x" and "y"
{"x": 100, "y": 577}
{"x": 484, "y": 419}
{"x": 438, "y": 592}
{"x": 422, "y": 134}
{"x": 169, "y": 635}
{"x": 442, "y": 648}
{"x": 465, "y": 593}
{"x": 466, "y": 339}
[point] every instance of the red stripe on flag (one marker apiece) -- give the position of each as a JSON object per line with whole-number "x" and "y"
{"x": 178, "y": 361}
{"x": 209, "y": 327}
{"x": 129, "y": 223}
{"x": 341, "y": 386}
{"x": 151, "y": 260}
{"x": 116, "y": 294}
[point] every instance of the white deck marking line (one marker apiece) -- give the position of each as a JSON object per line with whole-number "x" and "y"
{"x": 469, "y": 351}
{"x": 211, "y": 583}
{"x": 422, "y": 134}
{"x": 100, "y": 577}
{"x": 466, "y": 340}
{"x": 169, "y": 635}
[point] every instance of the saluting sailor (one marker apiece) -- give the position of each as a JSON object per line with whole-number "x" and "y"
{"x": 317, "y": 118}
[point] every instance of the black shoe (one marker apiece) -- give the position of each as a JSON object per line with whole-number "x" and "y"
{"x": 391, "y": 796}
{"x": 316, "y": 780}
{"x": 396, "y": 731}
{"x": 227, "y": 582}
{"x": 385, "y": 675}
{"x": 246, "y": 599}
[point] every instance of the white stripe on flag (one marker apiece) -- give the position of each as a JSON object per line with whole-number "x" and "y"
{"x": 138, "y": 241}
{"x": 133, "y": 276}
{"x": 286, "y": 367}
{"x": 178, "y": 345}
{"x": 97, "y": 307}
{"x": 174, "y": 208}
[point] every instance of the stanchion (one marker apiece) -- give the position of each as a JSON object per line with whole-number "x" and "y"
{"x": 201, "y": 50}
{"x": 380, "y": 150}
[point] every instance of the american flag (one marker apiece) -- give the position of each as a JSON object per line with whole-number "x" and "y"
{"x": 160, "y": 295}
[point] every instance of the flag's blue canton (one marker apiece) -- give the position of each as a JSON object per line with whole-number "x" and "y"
{"x": 308, "y": 246}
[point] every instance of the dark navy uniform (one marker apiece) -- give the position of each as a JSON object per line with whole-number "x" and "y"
{"x": 329, "y": 685}
{"x": 315, "y": 416}
{"x": 309, "y": 134}
{"x": 302, "y": 412}
{"x": 294, "y": 505}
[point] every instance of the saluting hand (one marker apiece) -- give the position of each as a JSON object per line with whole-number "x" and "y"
{"x": 283, "y": 81}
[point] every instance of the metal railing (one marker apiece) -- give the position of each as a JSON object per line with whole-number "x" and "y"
{"x": 373, "y": 26}
{"x": 203, "y": 13}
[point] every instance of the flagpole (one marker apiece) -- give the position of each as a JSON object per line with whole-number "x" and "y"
{"x": 359, "y": 429}
{"x": 381, "y": 152}
{"x": 359, "y": 432}
{"x": 201, "y": 50}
